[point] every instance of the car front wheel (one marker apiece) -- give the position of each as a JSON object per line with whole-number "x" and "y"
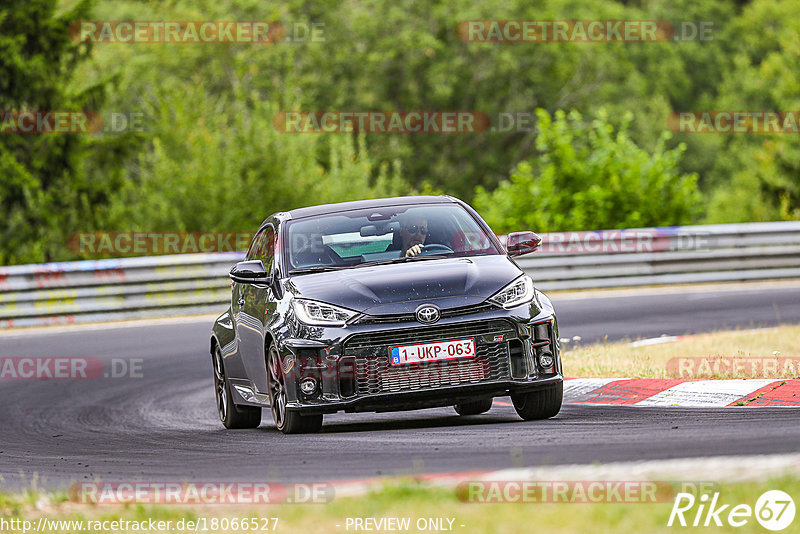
{"x": 540, "y": 404}
{"x": 288, "y": 422}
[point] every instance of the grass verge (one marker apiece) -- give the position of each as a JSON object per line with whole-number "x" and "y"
{"x": 409, "y": 500}
{"x": 761, "y": 353}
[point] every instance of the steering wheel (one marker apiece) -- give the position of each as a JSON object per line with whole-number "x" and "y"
{"x": 436, "y": 248}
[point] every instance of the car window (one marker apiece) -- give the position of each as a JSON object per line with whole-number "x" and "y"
{"x": 374, "y": 234}
{"x": 263, "y": 248}
{"x": 251, "y": 252}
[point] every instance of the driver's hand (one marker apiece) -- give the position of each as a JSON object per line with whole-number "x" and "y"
{"x": 413, "y": 251}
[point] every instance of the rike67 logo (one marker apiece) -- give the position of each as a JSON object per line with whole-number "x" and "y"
{"x": 774, "y": 510}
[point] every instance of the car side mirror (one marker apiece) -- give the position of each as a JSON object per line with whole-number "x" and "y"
{"x": 250, "y": 272}
{"x": 519, "y": 243}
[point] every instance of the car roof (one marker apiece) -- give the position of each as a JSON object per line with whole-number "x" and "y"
{"x": 325, "y": 209}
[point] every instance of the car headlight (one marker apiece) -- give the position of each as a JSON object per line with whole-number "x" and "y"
{"x": 316, "y": 313}
{"x": 517, "y": 292}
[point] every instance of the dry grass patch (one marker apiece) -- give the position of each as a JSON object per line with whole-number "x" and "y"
{"x": 761, "y": 353}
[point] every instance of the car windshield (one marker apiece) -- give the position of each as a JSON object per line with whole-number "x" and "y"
{"x": 383, "y": 235}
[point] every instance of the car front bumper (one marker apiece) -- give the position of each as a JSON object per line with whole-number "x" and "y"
{"x": 430, "y": 398}
{"x": 509, "y": 346}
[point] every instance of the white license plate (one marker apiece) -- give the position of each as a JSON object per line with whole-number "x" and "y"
{"x": 430, "y": 352}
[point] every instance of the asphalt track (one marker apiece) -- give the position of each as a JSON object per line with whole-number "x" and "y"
{"x": 163, "y": 426}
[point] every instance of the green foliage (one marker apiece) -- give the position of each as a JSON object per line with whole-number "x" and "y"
{"x": 217, "y": 163}
{"x": 209, "y": 157}
{"x": 757, "y": 176}
{"x": 408, "y": 55}
{"x": 586, "y": 175}
{"x": 40, "y": 183}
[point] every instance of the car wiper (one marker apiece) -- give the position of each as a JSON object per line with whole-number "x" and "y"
{"x": 325, "y": 268}
{"x": 404, "y": 260}
{"x": 319, "y": 269}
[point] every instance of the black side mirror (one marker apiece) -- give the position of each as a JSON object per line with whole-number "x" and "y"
{"x": 519, "y": 243}
{"x": 250, "y": 272}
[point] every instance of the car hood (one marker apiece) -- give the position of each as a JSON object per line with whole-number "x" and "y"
{"x": 400, "y": 288}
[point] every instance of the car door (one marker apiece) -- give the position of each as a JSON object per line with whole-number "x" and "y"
{"x": 256, "y": 304}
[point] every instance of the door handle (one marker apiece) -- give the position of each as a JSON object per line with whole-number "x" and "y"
{"x": 241, "y": 301}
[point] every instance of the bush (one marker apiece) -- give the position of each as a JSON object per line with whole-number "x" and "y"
{"x": 589, "y": 176}
{"x": 218, "y": 164}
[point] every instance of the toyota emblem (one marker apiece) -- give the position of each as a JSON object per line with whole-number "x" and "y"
{"x": 428, "y": 314}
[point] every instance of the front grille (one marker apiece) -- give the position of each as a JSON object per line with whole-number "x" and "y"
{"x": 374, "y": 373}
{"x": 410, "y": 317}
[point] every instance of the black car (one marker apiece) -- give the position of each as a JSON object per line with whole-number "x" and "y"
{"x": 383, "y": 305}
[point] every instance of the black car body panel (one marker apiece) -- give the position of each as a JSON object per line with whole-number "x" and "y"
{"x": 399, "y": 288}
{"x": 350, "y": 362}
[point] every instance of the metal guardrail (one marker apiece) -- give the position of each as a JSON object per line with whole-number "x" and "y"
{"x": 115, "y": 289}
{"x": 161, "y": 286}
{"x": 675, "y": 255}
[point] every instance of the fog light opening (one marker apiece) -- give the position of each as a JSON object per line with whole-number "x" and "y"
{"x": 308, "y": 386}
{"x": 546, "y": 359}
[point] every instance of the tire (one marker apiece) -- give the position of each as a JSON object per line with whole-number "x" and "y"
{"x": 231, "y": 415}
{"x": 288, "y": 422}
{"x": 541, "y": 404}
{"x": 473, "y": 407}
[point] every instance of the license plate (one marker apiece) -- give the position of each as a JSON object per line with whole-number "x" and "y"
{"x": 429, "y": 352}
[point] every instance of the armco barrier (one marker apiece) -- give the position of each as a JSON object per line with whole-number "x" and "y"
{"x": 160, "y": 286}
{"x": 675, "y": 255}
{"x": 126, "y": 288}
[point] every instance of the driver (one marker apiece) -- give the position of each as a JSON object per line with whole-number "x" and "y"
{"x": 413, "y": 231}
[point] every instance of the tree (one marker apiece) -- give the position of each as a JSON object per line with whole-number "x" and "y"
{"x": 588, "y": 176}
{"x": 756, "y": 176}
{"x": 41, "y": 189}
{"x": 216, "y": 163}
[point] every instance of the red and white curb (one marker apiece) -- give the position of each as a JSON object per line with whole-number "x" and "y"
{"x": 688, "y": 393}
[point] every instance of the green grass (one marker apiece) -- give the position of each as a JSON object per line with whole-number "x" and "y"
{"x": 414, "y": 500}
